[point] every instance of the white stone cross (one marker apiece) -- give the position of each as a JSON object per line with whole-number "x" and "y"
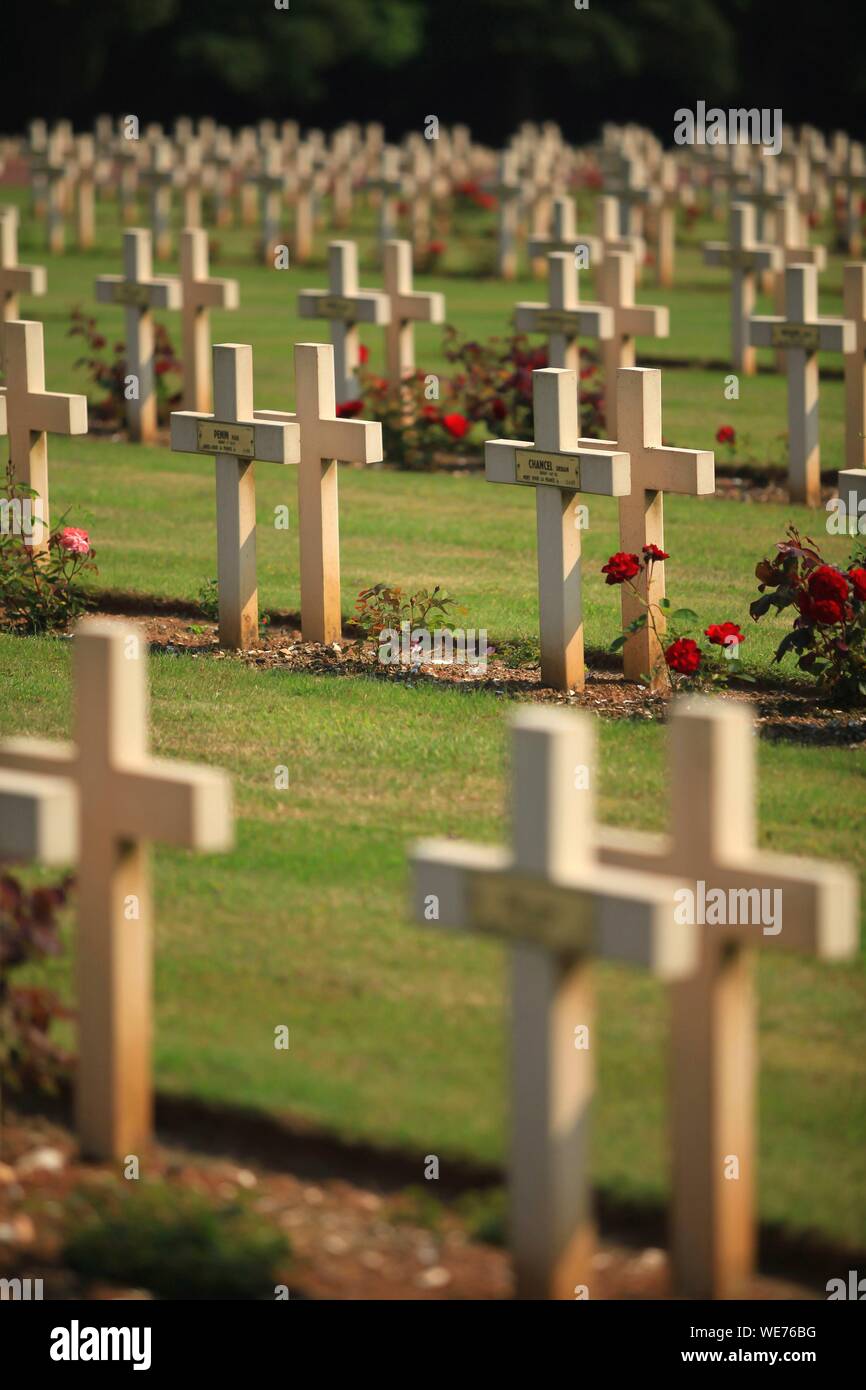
{"x": 564, "y": 236}
{"x": 854, "y": 309}
{"x": 712, "y": 850}
{"x": 564, "y": 319}
{"x": 235, "y": 438}
{"x": 38, "y": 819}
{"x": 610, "y": 240}
{"x": 557, "y": 910}
{"x": 125, "y": 798}
{"x": 789, "y": 239}
{"x": 406, "y": 308}
{"x": 800, "y": 333}
{"x": 386, "y": 188}
{"x": 560, "y": 469}
{"x": 159, "y": 177}
{"x": 655, "y": 470}
{"x": 200, "y": 294}
{"x": 508, "y": 191}
{"x": 29, "y": 414}
{"x": 139, "y": 291}
{"x": 15, "y": 279}
{"x": 745, "y": 256}
{"x": 344, "y": 306}
{"x": 630, "y": 320}
{"x": 272, "y": 182}
{"x": 323, "y": 440}
{"x": 626, "y": 181}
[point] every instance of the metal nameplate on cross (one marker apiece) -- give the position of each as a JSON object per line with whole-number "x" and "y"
{"x": 218, "y": 437}
{"x": 503, "y": 905}
{"x": 553, "y": 470}
{"x": 335, "y": 306}
{"x": 795, "y": 335}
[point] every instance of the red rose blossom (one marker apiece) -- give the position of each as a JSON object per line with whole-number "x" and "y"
{"x": 620, "y": 567}
{"x": 363, "y": 354}
{"x": 724, "y": 634}
{"x": 826, "y": 611}
{"x": 684, "y": 656}
{"x": 499, "y": 408}
{"x": 857, "y": 580}
{"x": 652, "y": 552}
{"x": 827, "y": 583}
{"x": 346, "y": 410}
{"x": 456, "y": 425}
{"x": 429, "y": 412}
{"x": 726, "y": 434}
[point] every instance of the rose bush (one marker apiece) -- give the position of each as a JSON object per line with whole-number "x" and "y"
{"x": 828, "y": 634}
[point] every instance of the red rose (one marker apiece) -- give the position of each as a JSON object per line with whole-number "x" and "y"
{"x": 726, "y": 434}
{"x": 684, "y": 656}
{"x": 827, "y": 583}
{"x": 363, "y": 354}
{"x": 499, "y": 408}
{"x": 162, "y": 367}
{"x": 456, "y": 425}
{"x": 347, "y": 409}
{"x": 436, "y": 248}
{"x": 857, "y": 580}
{"x": 620, "y": 567}
{"x": 429, "y": 412}
{"x": 724, "y": 634}
{"x": 652, "y": 552}
{"x": 826, "y": 611}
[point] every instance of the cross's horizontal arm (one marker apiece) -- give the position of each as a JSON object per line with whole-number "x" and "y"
{"x": 605, "y": 471}
{"x": 273, "y": 443}
{"x": 818, "y": 899}
{"x": 23, "y": 279}
{"x": 369, "y": 307}
{"x": 174, "y": 804}
{"x": 616, "y": 917}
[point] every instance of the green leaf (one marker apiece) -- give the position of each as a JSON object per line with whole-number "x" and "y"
{"x": 685, "y": 615}
{"x": 664, "y": 603}
{"x": 616, "y": 644}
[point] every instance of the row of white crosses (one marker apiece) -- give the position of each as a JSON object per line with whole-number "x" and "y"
{"x": 97, "y": 803}
{"x": 397, "y": 307}
{"x": 569, "y": 890}
{"x": 635, "y": 467}
{"x": 195, "y": 293}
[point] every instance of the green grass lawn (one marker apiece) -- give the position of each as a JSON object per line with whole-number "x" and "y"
{"x": 398, "y": 1035}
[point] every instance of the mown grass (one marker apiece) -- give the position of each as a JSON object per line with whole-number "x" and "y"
{"x": 398, "y": 1035}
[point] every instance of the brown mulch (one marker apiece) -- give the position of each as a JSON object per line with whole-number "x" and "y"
{"x": 349, "y": 1240}
{"x": 782, "y": 714}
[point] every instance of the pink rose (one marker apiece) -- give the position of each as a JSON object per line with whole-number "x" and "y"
{"x": 73, "y": 539}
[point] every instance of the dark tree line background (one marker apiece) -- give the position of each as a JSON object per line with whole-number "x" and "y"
{"x": 489, "y": 63}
